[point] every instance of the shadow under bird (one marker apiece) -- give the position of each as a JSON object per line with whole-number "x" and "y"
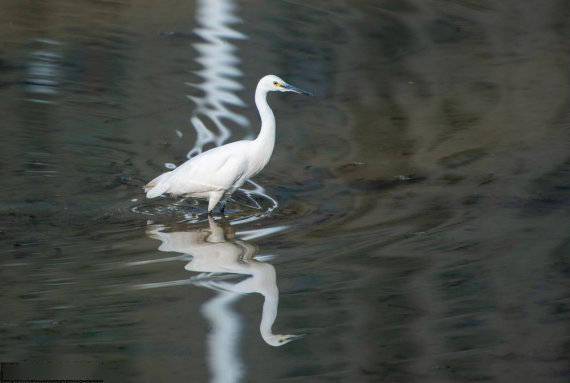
{"x": 215, "y": 174}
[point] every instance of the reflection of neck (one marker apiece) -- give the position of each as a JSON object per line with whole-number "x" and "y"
{"x": 266, "y": 138}
{"x": 269, "y": 313}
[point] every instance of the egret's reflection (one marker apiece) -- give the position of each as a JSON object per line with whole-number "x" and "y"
{"x": 219, "y": 257}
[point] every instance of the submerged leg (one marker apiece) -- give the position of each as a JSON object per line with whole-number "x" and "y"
{"x": 215, "y": 197}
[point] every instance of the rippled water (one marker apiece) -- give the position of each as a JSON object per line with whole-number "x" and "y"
{"x": 412, "y": 225}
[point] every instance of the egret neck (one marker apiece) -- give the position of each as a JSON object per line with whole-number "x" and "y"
{"x": 265, "y": 140}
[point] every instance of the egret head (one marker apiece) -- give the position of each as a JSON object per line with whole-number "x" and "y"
{"x": 277, "y": 340}
{"x": 272, "y": 83}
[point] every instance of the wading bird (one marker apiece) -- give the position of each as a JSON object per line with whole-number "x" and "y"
{"x": 215, "y": 174}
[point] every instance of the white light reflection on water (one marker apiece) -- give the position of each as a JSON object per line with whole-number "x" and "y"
{"x": 223, "y": 339}
{"x": 219, "y": 74}
{"x": 43, "y": 70}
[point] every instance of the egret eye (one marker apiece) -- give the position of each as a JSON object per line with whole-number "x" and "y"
{"x": 275, "y": 83}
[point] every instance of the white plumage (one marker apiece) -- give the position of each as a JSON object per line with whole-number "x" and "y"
{"x": 218, "y": 172}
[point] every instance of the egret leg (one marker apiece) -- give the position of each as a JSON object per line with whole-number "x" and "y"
{"x": 223, "y": 203}
{"x": 215, "y": 197}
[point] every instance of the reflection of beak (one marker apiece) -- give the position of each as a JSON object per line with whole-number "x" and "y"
{"x": 295, "y": 337}
{"x": 291, "y": 338}
{"x": 296, "y": 90}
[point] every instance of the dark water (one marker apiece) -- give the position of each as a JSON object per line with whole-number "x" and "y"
{"x": 413, "y": 223}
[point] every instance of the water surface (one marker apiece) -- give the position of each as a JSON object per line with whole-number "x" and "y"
{"x": 412, "y": 224}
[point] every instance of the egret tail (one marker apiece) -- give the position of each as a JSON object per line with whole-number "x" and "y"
{"x": 157, "y": 186}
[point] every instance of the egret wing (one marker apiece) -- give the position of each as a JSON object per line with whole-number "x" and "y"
{"x": 213, "y": 170}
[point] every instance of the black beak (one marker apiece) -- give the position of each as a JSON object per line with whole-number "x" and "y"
{"x": 297, "y": 90}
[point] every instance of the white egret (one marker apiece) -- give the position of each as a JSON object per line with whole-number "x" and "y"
{"x": 218, "y": 172}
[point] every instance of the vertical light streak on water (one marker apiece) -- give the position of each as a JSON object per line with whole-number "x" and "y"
{"x": 223, "y": 354}
{"x": 43, "y": 71}
{"x": 219, "y": 74}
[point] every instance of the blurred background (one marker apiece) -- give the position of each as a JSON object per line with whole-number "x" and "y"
{"x": 412, "y": 223}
